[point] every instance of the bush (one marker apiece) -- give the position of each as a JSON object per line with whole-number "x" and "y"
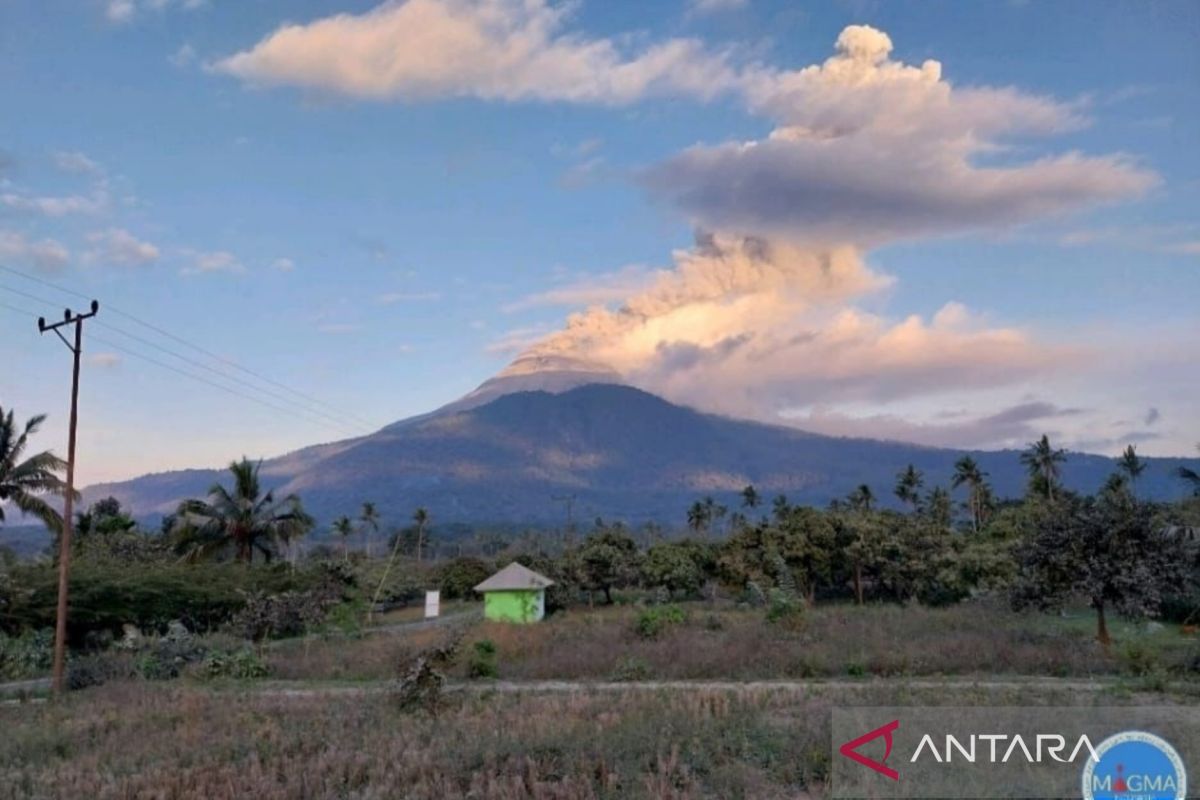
{"x": 100, "y": 668}
{"x": 166, "y": 658}
{"x": 26, "y": 656}
{"x": 1138, "y": 660}
{"x": 631, "y": 668}
{"x": 653, "y": 621}
{"x": 278, "y": 616}
{"x": 784, "y": 608}
{"x": 105, "y": 596}
{"x": 242, "y": 664}
{"x": 457, "y": 579}
{"x": 483, "y": 660}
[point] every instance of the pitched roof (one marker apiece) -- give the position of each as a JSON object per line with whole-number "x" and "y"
{"x": 512, "y": 578}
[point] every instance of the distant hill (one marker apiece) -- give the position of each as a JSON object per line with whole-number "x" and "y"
{"x": 621, "y": 452}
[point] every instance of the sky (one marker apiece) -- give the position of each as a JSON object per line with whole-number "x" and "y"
{"x": 959, "y": 224}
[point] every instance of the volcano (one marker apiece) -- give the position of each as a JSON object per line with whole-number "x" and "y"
{"x": 547, "y": 428}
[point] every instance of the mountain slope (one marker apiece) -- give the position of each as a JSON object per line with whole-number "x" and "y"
{"x": 623, "y": 454}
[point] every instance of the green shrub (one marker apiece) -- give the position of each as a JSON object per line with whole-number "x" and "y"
{"x": 483, "y": 660}
{"x": 105, "y": 596}
{"x": 1138, "y": 660}
{"x": 347, "y": 617}
{"x": 278, "y": 616}
{"x": 99, "y": 668}
{"x": 631, "y": 668}
{"x": 26, "y": 656}
{"x": 457, "y": 579}
{"x": 652, "y": 622}
{"x": 243, "y": 664}
{"x": 784, "y": 608}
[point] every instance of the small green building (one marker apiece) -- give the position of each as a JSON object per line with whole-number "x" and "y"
{"x": 514, "y": 594}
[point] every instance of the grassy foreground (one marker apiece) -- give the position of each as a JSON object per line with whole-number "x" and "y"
{"x": 725, "y": 643}
{"x": 190, "y": 743}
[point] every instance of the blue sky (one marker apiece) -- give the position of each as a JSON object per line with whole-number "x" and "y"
{"x": 385, "y": 238}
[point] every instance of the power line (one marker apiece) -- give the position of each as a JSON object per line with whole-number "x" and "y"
{"x": 298, "y": 412}
{"x": 222, "y": 387}
{"x": 24, "y": 311}
{"x": 215, "y": 356}
{"x": 282, "y": 398}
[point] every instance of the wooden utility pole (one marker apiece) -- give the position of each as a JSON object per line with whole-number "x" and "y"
{"x": 568, "y": 500}
{"x": 64, "y": 544}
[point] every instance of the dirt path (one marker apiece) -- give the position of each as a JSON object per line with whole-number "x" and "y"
{"x": 569, "y": 687}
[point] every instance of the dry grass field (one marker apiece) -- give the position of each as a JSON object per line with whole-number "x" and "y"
{"x": 184, "y": 742}
{"x": 723, "y": 643}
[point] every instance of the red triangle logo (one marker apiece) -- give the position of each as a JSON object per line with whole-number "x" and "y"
{"x": 850, "y": 749}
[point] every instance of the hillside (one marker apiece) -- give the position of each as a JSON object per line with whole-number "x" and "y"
{"x": 623, "y": 454}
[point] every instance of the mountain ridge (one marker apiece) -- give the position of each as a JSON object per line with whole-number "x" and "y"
{"x": 621, "y": 452}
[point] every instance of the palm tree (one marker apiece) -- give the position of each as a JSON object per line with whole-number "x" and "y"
{"x": 750, "y": 497}
{"x": 908, "y": 486}
{"x": 698, "y": 517}
{"x": 967, "y": 472}
{"x": 714, "y": 512}
{"x": 862, "y": 498}
{"x": 344, "y": 528}
{"x": 23, "y": 483}
{"x": 1191, "y": 476}
{"x": 242, "y": 520}
{"x": 421, "y": 519}
{"x": 1131, "y": 465}
{"x": 369, "y": 517}
{"x": 1041, "y": 460}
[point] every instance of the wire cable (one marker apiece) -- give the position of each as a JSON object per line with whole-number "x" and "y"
{"x": 299, "y": 412}
{"x": 341, "y": 414}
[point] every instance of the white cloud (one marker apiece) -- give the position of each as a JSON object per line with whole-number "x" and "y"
{"x": 589, "y": 290}
{"x": 57, "y": 206}
{"x": 1012, "y": 426}
{"x": 338, "y": 328}
{"x": 45, "y": 254}
{"x": 75, "y": 162}
{"x": 104, "y": 360}
{"x": 489, "y": 49}
{"x": 211, "y": 261}
{"x": 751, "y": 327}
{"x": 185, "y": 55}
{"x": 1184, "y": 248}
{"x": 869, "y": 150}
{"x": 284, "y": 264}
{"x": 715, "y": 6}
{"x": 119, "y": 246}
{"x": 121, "y": 12}
{"x": 391, "y": 298}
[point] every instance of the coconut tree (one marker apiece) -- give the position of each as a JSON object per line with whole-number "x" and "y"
{"x": 967, "y": 473}
{"x": 420, "y": 519}
{"x": 698, "y": 517}
{"x": 1191, "y": 476}
{"x": 750, "y": 497}
{"x": 369, "y": 517}
{"x": 240, "y": 520}
{"x": 344, "y": 528}
{"x": 25, "y": 482}
{"x": 1131, "y": 465}
{"x": 908, "y": 486}
{"x": 1041, "y": 461}
{"x": 862, "y": 498}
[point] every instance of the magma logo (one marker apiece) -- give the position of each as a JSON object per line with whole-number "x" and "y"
{"x": 1135, "y": 765}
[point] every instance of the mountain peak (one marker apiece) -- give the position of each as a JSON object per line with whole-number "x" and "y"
{"x": 535, "y": 372}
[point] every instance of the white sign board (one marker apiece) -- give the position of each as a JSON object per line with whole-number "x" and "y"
{"x": 432, "y": 603}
